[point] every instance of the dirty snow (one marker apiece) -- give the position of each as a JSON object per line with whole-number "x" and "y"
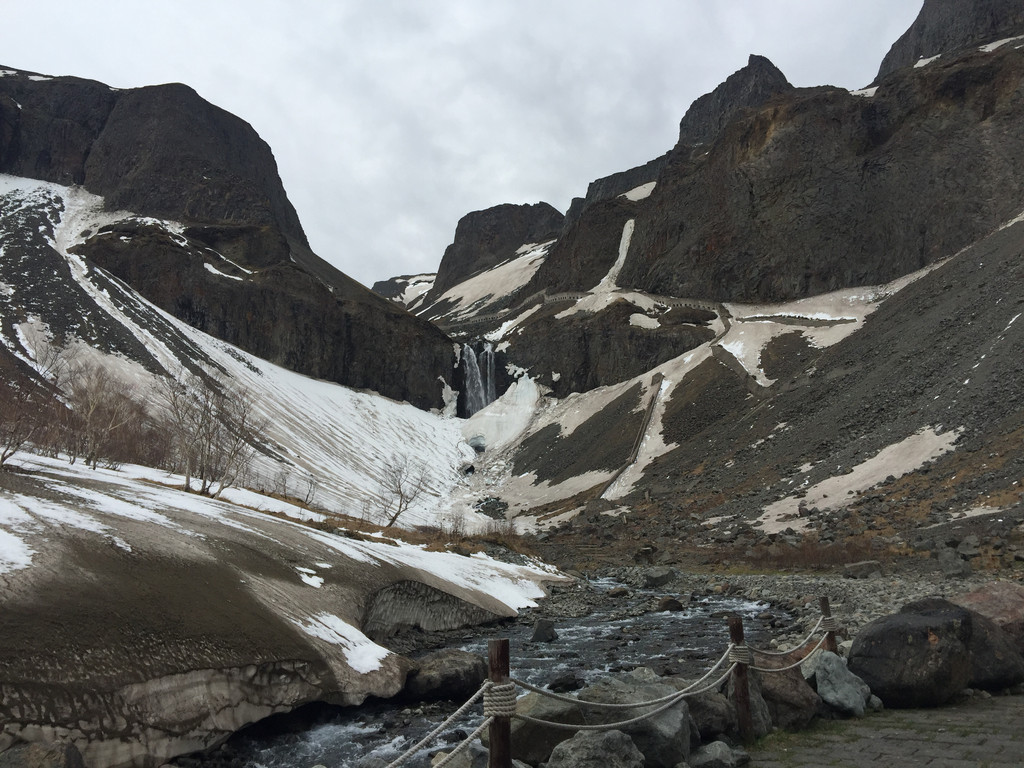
{"x": 999, "y": 44}
{"x": 644, "y": 321}
{"x": 866, "y": 92}
{"x": 474, "y": 293}
{"x": 502, "y": 422}
{"x": 361, "y": 653}
{"x": 835, "y": 492}
{"x": 640, "y": 193}
{"x": 923, "y": 62}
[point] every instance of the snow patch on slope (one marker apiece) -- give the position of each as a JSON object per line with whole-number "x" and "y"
{"x": 837, "y": 491}
{"x": 474, "y": 293}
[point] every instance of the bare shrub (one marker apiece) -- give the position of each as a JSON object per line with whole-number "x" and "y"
{"x": 401, "y": 482}
{"x": 24, "y": 411}
{"x": 212, "y": 429}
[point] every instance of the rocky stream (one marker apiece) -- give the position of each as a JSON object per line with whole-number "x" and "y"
{"x": 618, "y": 620}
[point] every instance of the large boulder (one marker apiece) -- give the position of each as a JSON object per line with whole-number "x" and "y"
{"x": 836, "y": 684}
{"x": 996, "y": 663}
{"x": 915, "y": 658}
{"x": 597, "y": 749}
{"x": 663, "y": 739}
{"x": 713, "y": 714}
{"x": 450, "y": 674}
{"x": 790, "y": 699}
{"x": 531, "y": 742}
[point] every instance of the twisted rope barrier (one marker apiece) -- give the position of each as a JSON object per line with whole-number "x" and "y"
{"x": 499, "y": 698}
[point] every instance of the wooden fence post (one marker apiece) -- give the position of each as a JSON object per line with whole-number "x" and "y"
{"x": 500, "y": 730}
{"x": 741, "y": 686}
{"x": 830, "y": 636}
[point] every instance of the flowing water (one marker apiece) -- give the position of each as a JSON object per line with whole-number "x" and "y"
{"x": 618, "y": 636}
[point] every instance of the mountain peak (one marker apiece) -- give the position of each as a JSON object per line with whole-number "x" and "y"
{"x": 750, "y": 86}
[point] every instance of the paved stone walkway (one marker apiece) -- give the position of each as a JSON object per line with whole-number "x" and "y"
{"x": 980, "y": 733}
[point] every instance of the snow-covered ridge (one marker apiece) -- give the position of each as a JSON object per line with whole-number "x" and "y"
{"x": 341, "y": 437}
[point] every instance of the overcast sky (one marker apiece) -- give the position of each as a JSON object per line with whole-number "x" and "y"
{"x": 391, "y": 119}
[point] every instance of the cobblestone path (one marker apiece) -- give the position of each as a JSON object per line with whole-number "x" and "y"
{"x": 980, "y": 733}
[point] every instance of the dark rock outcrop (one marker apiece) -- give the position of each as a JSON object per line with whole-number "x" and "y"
{"x": 751, "y": 86}
{"x": 585, "y": 351}
{"x": 333, "y": 330}
{"x": 945, "y": 26}
{"x": 164, "y": 152}
{"x": 486, "y": 238}
{"x": 614, "y": 185}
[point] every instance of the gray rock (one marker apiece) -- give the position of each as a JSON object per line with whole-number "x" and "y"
{"x": 544, "y": 631}
{"x": 838, "y": 686}
{"x": 533, "y": 743}
{"x": 791, "y": 701}
{"x": 718, "y": 754}
{"x": 713, "y": 715}
{"x": 597, "y": 749}
{"x": 42, "y": 755}
{"x": 663, "y": 739}
{"x": 865, "y": 569}
{"x": 452, "y": 675}
{"x": 668, "y": 603}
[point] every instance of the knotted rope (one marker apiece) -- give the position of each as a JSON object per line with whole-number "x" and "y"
{"x": 740, "y": 654}
{"x": 829, "y": 624}
{"x": 500, "y": 700}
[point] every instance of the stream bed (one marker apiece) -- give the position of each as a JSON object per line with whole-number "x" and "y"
{"x": 617, "y": 635}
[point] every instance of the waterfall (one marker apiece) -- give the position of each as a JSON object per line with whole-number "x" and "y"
{"x": 487, "y": 358}
{"x": 479, "y": 377}
{"x": 474, "y": 385}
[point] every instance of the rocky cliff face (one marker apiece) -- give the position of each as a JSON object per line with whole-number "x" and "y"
{"x": 485, "y": 238}
{"x": 945, "y": 26}
{"x": 612, "y": 186}
{"x": 822, "y": 189}
{"x": 164, "y": 152}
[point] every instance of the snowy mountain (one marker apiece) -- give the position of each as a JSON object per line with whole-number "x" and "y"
{"x": 708, "y": 352}
{"x": 801, "y": 325}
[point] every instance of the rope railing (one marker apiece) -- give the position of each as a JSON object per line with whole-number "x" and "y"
{"x": 499, "y": 694}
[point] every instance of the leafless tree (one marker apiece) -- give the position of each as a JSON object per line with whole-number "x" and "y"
{"x": 21, "y": 417}
{"x": 401, "y": 482}
{"x": 104, "y": 408}
{"x": 212, "y": 427}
